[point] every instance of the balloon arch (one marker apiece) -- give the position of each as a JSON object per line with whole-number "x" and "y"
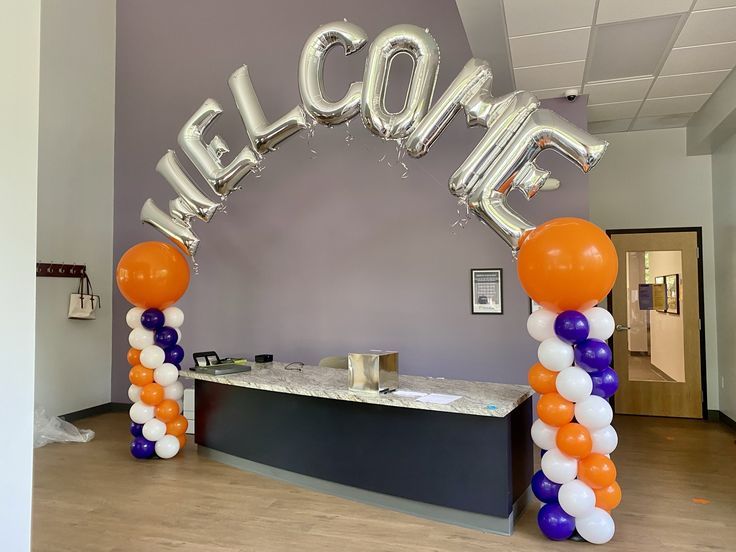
{"x": 566, "y": 265}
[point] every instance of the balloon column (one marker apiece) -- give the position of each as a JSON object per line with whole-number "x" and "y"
{"x": 568, "y": 265}
{"x": 153, "y": 276}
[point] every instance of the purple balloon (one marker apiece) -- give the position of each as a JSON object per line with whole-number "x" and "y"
{"x": 544, "y": 489}
{"x": 174, "y": 354}
{"x": 555, "y": 523}
{"x": 571, "y": 326}
{"x": 605, "y": 382}
{"x": 165, "y": 337}
{"x": 136, "y": 430}
{"x": 152, "y": 319}
{"x": 592, "y": 354}
{"x": 142, "y": 448}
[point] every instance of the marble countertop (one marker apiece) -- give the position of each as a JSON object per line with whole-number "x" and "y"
{"x": 478, "y": 398}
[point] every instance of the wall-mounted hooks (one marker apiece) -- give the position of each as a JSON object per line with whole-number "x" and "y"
{"x": 60, "y": 270}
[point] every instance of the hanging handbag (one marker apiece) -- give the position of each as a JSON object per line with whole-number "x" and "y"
{"x": 84, "y": 303}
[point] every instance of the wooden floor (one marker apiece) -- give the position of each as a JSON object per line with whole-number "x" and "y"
{"x": 678, "y": 479}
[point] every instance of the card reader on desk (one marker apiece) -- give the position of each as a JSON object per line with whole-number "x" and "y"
{"x": 210, "y": 363}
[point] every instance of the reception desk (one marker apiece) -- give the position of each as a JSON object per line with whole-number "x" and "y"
{"x": 468, "y": 462}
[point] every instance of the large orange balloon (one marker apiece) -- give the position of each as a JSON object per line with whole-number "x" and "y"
{"x": 567, "y": 264}
{"x": 140, "y": 375}
{"x": 134, "y": 356}
{"x": 182, "y": 441}
{"x": 574, "y": 440}
{"x": 596, "y": 471}
{"x": 555, "y": 410}
{"x": 152, "y": 394}
{"x": 167, "y": 410}
{"x": 609, "y": 497}
{"x": 152, "y": 274}
{"x": 178, "y": 426}
{"x": 541, "y": 379}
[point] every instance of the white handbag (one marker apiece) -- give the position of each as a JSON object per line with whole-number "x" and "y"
{"x": 84, "y": 303}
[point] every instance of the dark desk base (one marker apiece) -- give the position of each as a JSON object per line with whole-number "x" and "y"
{"x": 468, "y": 470}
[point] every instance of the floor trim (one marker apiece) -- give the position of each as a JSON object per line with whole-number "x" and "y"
{"x": 718, "y": 416}
{"x": 95, "y": 411}
{"x": 479, "y": 522}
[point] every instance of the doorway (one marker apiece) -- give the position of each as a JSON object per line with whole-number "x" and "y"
{"x": 657, "y": 303}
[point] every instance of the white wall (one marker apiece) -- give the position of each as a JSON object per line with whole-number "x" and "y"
{"x": 666, "y": 330}
{"x": 724, "y": 225}
{"x": 19, "y": 59}
{"x": 75, "y": 198}
{"x": 646, "y": 180}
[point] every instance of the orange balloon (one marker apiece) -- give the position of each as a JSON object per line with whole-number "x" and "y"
{"x": 555, "y": 410}
{"x": 134, "y": 356}
{"x": 140, "y": 375}
{"x": 541, "y": 379}
{"x": 152, "y": 394}
{"x": 167, "y": 410}
{"x": 152, "y": 274}
{"x": 567, "y": 264}
{"x": 574, "y": 440}
{"x": 596, "y": 471}
{"x": 178, "y": 426}
{"x": 182, "y": 441}
{"x": 609, "y": 497}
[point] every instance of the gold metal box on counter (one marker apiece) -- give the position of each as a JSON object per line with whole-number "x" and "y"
{"x": 374, "y": 371}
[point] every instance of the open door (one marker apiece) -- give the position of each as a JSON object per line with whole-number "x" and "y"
{"x": 656, "y": 303}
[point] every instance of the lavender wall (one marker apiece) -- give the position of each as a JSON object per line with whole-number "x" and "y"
{"x": 319, "y": 256}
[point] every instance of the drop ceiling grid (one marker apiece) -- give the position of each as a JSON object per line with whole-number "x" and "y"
{"x": 692, "y": 65}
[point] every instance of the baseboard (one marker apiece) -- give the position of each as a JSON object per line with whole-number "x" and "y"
{"x": 95, "y": 411}
{"x": 718, "y": 416}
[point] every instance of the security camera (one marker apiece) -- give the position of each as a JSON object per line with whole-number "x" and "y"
{"x": 571, "y": 94}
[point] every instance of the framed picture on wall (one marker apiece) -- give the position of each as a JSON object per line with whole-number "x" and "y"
{"x": 659, "y": 296}
{"x": 486, "y": 288}
{"x": 533, "y": 306}
{"x": 672, "y": 291}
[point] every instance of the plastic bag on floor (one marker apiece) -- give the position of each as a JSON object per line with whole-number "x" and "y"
{"x": 55, "y": 430}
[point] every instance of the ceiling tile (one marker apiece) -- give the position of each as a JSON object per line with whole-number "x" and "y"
{"x": 693, "y": 59}
{"x": 709, "y": 4}
{"x": 532, "y": 16}
{"x": 543, "y": 77}
{"x": 617, "y": 91}
{"x": 709, "y": 27}
{"x": 601, "y": 127}
{"x": 630, "y": 49}
{"x": 610, "y": 111}
{"x": 554, "y": 47}
{"x": 673, "y": 106}
{"x": 681, "y": 85}
{"x": 661, "y": 121}
{"x": 622, "y": 10}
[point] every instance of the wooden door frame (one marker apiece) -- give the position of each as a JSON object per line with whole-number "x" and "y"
{"x": 701, "y": 300}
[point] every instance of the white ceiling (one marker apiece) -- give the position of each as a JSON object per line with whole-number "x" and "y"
{"x": 643, "y": 63}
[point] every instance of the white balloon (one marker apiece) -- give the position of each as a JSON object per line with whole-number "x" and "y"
{"x": 175, "y": 391}
{"x": 594, "y": 412}
{"x": 167, "y": 446}
{"x": 173, "y": 317}
{"x": 180, "y": 402}
{"x": 140, "y": 338}
{"x": 154, "y": 429}
{"x": 597, "y": 527}
{"x": 605, "y": 440}
{"x": 133, "y": 318}
{"x": 166, "y": 374}
{"x": 141, "y": 412}
{"x": 573, "y": 383}
{"x": 600, "y": 322}
{"x": 134, "y": 393}
{"x": 544, "y": 435}
{"x": 554, "y": 354}
{"x": 575, "y": 497}
{"x": 541, "y": 324}
{"x": 152, "y": 356}
{"x": 178, "y": 335}
{"x": 559, "y": 467}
